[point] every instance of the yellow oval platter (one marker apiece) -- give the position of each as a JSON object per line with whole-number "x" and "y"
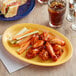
{"x": 11, "y": 31}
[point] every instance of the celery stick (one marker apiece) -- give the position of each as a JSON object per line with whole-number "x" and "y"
{"x": 27, "y": 34}
{"x": 15, "y": 41}
{"x": 12, "y": 41}
{"x": 22, "y": 31}
{"x": 18, "y": 41}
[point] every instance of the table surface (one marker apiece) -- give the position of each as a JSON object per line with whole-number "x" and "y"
{"x": 39, "y": 15}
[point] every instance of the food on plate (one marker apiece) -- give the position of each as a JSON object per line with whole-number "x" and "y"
{"x": 38, "y": 44}
{"x": 23, "y": 34}
{"x": 23, "y": 47}
{"x": 9, "y": 8}
{"x": 57, "y": 47}
{"x": 31, "y": 53}
{"x": 51, "y": 51}
{"x": 44, "y": 55}
{"x": 45, "y": 36}
{"x": 57, "y": 41}
{"x": 35, "y": 37}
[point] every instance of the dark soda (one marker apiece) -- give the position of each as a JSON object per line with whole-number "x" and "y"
{"x": 56, "y": 12}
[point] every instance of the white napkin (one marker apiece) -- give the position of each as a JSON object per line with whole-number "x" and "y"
{"x": 11, "y": 63}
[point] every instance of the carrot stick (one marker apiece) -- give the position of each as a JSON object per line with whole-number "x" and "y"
{"x": 24, "y": 48}
{"x": 15, "y": 37}
{"x": 23, "y": 45}
{"x": 25, "y": 40}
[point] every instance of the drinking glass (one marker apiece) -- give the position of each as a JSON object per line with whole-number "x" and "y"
{"x": 43, "y": 1}
{"x": 70, "y": 10}
{"x": 74, "y": 16}
{"x": 56, "y": 9}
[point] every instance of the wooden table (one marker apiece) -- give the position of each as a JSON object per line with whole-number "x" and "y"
{"x": 39, "y": 15}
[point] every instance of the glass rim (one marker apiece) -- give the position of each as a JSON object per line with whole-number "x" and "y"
{"x": 54, "y": 0}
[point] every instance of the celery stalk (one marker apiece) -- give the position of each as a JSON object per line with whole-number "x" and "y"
{"x": 22, "y": 31}
{"x": 16, "y": 41}
{"x": 12, "y": 41}
{"x": 27, "y": 34}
